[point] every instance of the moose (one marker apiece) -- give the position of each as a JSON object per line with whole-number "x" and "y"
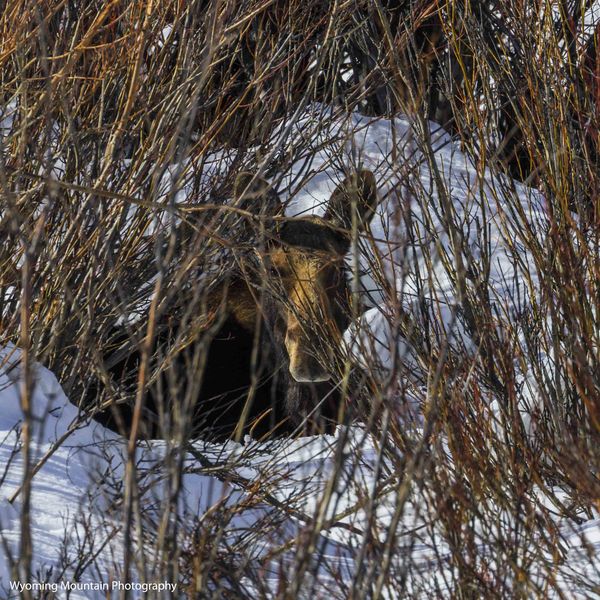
{"x": 281, "y": 317}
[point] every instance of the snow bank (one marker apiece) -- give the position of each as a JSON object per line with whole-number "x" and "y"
{"x": 76, "y": 501}
{"x": 76, "y": 521}
{"x": 444, "y": 225}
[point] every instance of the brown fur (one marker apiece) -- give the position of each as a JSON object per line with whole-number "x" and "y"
{"x": 304, "y": 270}
{"x": 294, "y": 295}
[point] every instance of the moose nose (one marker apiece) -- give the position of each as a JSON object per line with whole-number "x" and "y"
{"x": 302, "y": 374}
{"x": 304, "y": 367}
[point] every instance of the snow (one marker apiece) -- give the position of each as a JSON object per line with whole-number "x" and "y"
{"x": 440, "y": 214}
{"x": 77, "y": 501}
{"x": 62, "y": 483}
{"x": 410, "y": 231}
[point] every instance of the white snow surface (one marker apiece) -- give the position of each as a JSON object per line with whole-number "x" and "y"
{"x": 76, "y": 494}
{"x": 75, "y": 500}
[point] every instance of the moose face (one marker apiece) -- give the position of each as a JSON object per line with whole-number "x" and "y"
{"x": 313, "y": 287}
{"x": 304, "y": 266}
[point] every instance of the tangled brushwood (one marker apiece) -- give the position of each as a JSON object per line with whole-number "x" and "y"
{"x": 358, "y": 240}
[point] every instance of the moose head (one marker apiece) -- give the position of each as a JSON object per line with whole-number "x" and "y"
{"x": 302, "y": 267}
{"x": 292, "y": 291}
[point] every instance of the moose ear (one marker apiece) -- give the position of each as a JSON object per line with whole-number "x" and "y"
{"x": 357, "y": 192}
{"x": 255, "y": 194}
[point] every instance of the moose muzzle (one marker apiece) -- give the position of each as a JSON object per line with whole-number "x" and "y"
{"x": 304, "y": 365}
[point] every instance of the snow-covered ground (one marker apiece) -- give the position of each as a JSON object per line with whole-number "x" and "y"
{"x": 76, "y": 519}
{"x": 76, "y": 509}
